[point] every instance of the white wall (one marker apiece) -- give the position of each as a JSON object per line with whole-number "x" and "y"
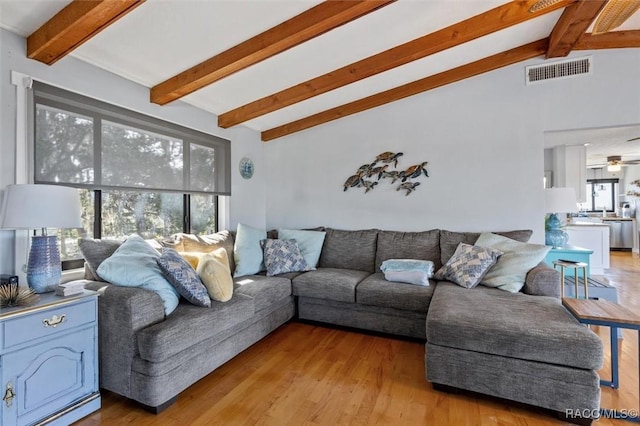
{"x": 483, "y": 138}
{"x": 247, "y": 201}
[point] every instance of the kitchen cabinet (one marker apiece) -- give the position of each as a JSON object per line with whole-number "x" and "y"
{"x": 49, "y": 358}
{"x": 595, "y": 237}
{"x": 570, "y": 169}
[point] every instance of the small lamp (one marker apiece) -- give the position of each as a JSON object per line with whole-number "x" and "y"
{"x": 558, "y": 200}
{"x": 29, "y": 206}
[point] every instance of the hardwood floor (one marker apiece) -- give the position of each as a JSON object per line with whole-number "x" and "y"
{"x": 304, "y": 374}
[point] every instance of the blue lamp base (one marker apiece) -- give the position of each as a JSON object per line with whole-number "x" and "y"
{"x": 44, "y": 269}
{"x": 554, "y": 235}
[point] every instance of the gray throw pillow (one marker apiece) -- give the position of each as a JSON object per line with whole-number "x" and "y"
{"x": 95, "y": 252}
{"x": 468, "y": 265}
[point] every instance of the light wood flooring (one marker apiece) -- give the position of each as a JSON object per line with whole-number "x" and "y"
{"x": 305, "y": 374}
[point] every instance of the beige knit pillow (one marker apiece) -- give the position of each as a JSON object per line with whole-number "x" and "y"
{"x": 213, "y": 269}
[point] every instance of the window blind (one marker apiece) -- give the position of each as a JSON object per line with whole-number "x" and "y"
{"x": 88, "y": 143}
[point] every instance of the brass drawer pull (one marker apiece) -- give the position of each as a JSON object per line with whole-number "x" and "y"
{"x": 9, "y": 395}
{"x": 54, "y": 321}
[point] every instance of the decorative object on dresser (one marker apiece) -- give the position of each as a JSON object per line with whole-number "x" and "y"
{"x": 13, "y": 295}
{"x": 29, "y": 206}
{"x": 558, "y": 200}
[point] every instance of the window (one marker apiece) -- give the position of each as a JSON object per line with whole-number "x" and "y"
{"x": 601, "y": 194}
{"x": 135, "y": 174}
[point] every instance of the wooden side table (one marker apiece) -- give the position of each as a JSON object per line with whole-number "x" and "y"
{"x": 569, "y": 252}
{"x": 575, "y": 267}
{"x": 614, "y": 316}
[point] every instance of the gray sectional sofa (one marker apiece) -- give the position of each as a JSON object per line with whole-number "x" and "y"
{"x": 523, "y": 347}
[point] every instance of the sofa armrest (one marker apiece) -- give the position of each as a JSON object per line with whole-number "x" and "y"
{"x": 542, "y": 281}
{"x": 122, "y": 312}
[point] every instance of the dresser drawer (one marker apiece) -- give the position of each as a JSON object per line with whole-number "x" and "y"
{"x": 47, "y": 322}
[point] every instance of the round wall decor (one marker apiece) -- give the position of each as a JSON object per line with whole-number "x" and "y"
{"x": 246, "y": 168}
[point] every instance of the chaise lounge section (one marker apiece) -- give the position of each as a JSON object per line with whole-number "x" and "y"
{"x": 517, "y": 346}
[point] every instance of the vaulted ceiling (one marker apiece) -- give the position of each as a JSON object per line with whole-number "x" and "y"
{"x": 282, "y": 66}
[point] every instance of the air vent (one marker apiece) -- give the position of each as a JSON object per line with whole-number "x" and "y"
{"x": 561, "y": 69}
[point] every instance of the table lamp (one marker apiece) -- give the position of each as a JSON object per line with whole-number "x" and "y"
{"x": 558, "y": 200}
{"x": 33, "y": 206}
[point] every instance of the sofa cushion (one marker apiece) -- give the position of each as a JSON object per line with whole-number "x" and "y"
{"x": 183, "y": 277}
{"x": 514, "y": 325}
{"x": 510, "y": 271}
{"x": 190, "y": 325}
{"x": 408, "y": 245}
{"x": 449, "y": 240}
{"x": 265, "y": 291}
{"x": 354, "y": 250}
{"x": 375, "y": 290}
{"x": 329, "y": 283}
{"x": 468, "y": 265}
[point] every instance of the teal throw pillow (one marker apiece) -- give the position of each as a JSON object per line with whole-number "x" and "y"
{"x": 510, "y": 272}
{"x": 247, "y": 251}
{"x": 468, "y": 265}
{"x": 134, "y": 264}
{"x": 310, "y": 243}
{"x": 183, "y": 277}
{"x": 282, "y": 256}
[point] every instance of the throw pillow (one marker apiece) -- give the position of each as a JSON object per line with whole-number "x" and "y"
{"x": 191, "y": 258}
{"x": 202, "y": 243}
{"x": 282, "y": 256}
{"x": 214, "y": 272}
{"x": 95, "y": 252}
{"x": 310, "y": 243}
{"x": 410, "y": 271}
{"x": 510, "y": 271}
{"x": 247, "y": 251}
{"x": 468, "y": 265}
{"x": 134, "y": 264}
{"x": 183, "y": 277}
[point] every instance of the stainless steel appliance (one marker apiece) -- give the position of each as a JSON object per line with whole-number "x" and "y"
{"x": 620, "y": 233}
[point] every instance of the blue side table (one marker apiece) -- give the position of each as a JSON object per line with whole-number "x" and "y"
{"x": 577, "y": 254}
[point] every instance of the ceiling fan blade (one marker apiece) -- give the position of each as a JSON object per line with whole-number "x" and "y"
{"x": 630, "y": 162}
{"x": 614, "y": 14}
{"x": 634, "y": 139}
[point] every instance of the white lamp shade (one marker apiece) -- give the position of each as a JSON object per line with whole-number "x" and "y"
{"x": 560, "y": 200}
{"x": 29, "y": 206}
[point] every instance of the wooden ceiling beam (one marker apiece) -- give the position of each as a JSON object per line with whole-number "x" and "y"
{"x": 72, "y": 26}
{"x": 509, "y": 57}
{"x": 316, "y": 21}
{"x": 610, "y": 40}
{"x": 572, "y": 25}
{"x": 496, "y": 19}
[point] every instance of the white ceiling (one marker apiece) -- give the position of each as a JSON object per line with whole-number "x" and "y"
{"x": 161, "y": 38}
{"x": 601, "y": 142}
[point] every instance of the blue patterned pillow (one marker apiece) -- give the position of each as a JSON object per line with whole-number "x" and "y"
{"x": 183, "y": 277}
{"x": 468, "y": 265}
{"x": 281, "y": 256}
